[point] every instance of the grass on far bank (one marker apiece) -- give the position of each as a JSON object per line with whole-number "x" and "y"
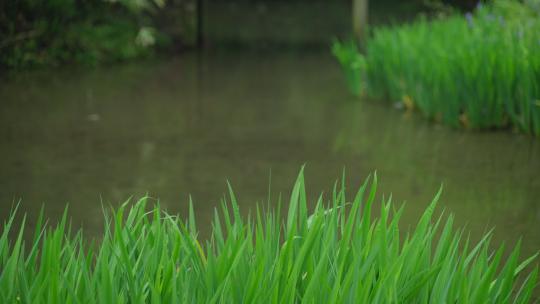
{"x": 479, "y": 70}
{"x": 337, "y": 254}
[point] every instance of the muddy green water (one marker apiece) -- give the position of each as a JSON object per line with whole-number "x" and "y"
{"x": 183, "y": 126}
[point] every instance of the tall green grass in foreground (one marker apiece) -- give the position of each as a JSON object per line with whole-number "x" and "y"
{"x": 336, "y": 254}
{"x": 480, "y": 70}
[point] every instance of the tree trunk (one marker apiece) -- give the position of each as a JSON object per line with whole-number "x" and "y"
{"x": 360, "y": 19}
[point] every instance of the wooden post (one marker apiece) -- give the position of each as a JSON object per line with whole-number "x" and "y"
{"x": 360, "y": 19}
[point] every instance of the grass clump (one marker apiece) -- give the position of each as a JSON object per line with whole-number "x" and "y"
{"x": 352, "y": 62}
{"x": 336, "y": 254}
{"x": 479, "y": 70}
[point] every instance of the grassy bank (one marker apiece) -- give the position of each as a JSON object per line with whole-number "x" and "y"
{"x": 479, "y": 70}
{"x": 338, "y": 253}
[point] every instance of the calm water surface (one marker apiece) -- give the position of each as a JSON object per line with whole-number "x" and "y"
{"x": 178, "y": 127}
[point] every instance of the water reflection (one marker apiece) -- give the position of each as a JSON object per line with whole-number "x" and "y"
{"x": 179, "y": 127}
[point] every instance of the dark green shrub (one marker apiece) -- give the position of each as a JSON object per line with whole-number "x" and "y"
{"x": 36, "y": 33}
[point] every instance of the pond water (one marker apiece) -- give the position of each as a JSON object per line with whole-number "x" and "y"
{"x": 184, "y": 126}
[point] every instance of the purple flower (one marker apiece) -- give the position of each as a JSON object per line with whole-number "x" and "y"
{"x": 501, "y": 20}
{"x": 470, "y": 19}
{"x": 520, "y": 34}
{"x": 479, "y": 5}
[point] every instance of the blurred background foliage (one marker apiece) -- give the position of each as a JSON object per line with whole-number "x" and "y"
{"x": 37, "y": 33}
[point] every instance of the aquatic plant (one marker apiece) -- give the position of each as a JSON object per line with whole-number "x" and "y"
{"x": 338, "y": 253}
{"x": 351, "y": 62}
{"x": 477, "y": 71}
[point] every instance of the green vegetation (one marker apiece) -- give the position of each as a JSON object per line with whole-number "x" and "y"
{"x": 37, "y": 33}
{"x": 480, "y": 70}
{"x": 352, "y": 63}
{"x": 337, "y": 254}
